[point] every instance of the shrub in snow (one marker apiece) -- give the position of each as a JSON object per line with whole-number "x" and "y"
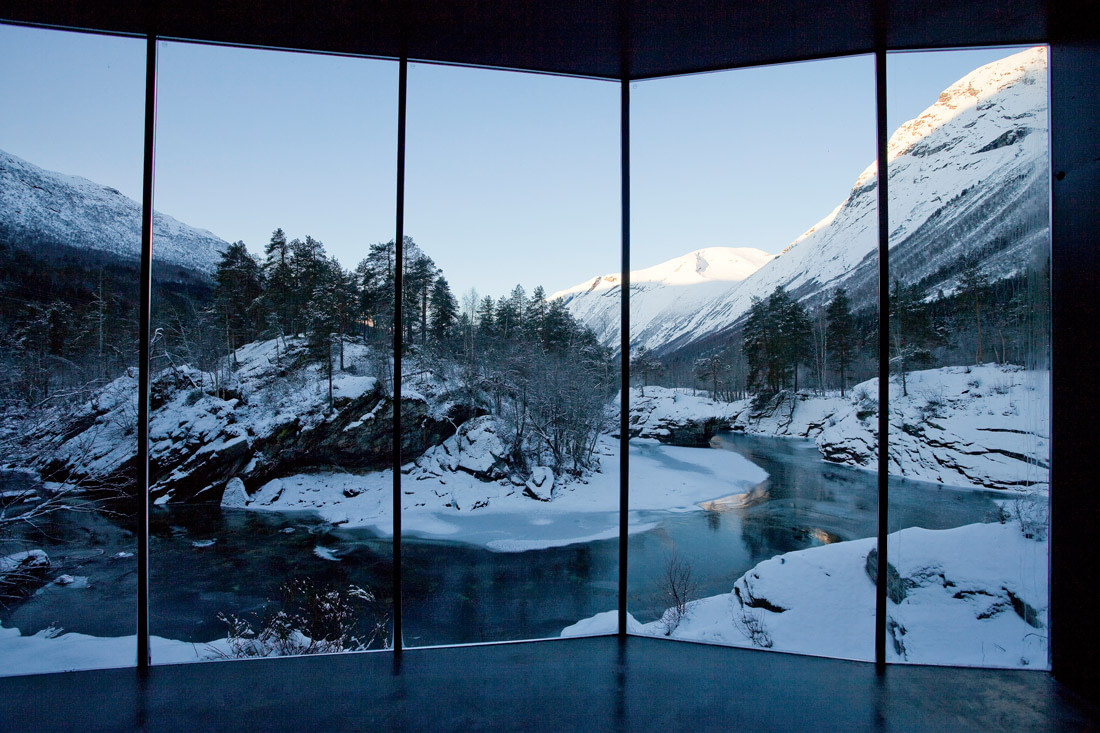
{"x": 310, "y": 620}
{"x": 677, "y": 587}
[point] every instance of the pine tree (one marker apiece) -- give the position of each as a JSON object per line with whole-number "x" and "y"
{"x": 646, "y": 363}
{"x": 711, "y": 368}
{"x": 972, "y": 285}
{"x": 777, "y": 339}
{"x": 238, "y": 284}
{"x": 307, "y": 263}
{"x": 486, "y": 318}
{"x": 376, "y": 283}
{"x": 841, "y": 334}
{"x": 323, "y": 317}
{"x": 756, "y": 344}
{"x": 444, "y": 310}
{"x": 419, "y": 275}
{"x": 911, "y": 332}
{"x": 510, "y": 313}
{"x": 534, "y": 316}
{"x": 280, "y": 281}
{"x": 795, "y": 337}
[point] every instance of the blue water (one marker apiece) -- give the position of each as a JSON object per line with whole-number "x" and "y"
{"x": 459, "y": 592}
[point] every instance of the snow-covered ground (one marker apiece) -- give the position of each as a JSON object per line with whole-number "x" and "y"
{"x": 49, "y": 651}
{"x": 974, "y": 596}
{"x": 450, "y": 502}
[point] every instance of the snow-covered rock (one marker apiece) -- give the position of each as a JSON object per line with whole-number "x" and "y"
{"x": 475, "y": 448}
{"x": 985, "y": 426}
{"x": 272, "y": 418}
{"x": 22, "y": 572}
{"x": 235, "y": 495}
{"x": 603, "y": 623}
{"x": 676, "y": 417}
{"x": 541, "y": 484}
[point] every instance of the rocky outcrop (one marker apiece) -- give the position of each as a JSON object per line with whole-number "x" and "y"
{"x": 476, "y": 448}
{"x": 676, "y": 417}
{"x": 272, "y": 419}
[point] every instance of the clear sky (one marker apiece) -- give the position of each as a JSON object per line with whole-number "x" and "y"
{"x": 510, "y": 177}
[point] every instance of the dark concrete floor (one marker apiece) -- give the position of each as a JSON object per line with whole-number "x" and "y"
{"x": 590, "y": 684}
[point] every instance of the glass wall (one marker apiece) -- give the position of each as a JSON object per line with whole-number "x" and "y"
{"x": 753, "y": 355}
{"x": 271, "y": 415}
{"x": 510, "y": 491}
{"x": 753, "y": 321}
{"x": 70, "y": 223}
{"x": 970, "y": 358}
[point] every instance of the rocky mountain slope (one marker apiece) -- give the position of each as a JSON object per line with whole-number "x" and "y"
{"x": 69, "y": 210}
{"x": 968, "y": 176}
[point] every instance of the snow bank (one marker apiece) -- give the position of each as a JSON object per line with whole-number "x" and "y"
{"x": 973, "y": 596}
{"x": 50, "y": 651}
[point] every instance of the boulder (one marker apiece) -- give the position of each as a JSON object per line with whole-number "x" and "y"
{"x": 541, "y": 484}
{"x": 235, "y": 495}
{"x": 22, "y": 572}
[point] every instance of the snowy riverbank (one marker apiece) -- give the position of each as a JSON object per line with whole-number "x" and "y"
{"x": 973, "y": 427}
{"x": 973, "y": 596}
{"x": 449, "y": 502}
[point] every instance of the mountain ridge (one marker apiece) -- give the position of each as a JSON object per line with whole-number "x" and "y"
{"x": 988, "y": 128}
{"x": 88, "y": 215}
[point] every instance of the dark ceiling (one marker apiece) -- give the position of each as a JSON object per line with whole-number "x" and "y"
{"x": 580, "y": 36}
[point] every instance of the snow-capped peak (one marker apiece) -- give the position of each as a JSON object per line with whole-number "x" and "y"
{"x": 663, "y": 295}
{"x": 710, "y": 264}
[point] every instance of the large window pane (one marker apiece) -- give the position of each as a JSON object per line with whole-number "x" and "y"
{"x": 752, "y": 343}
{"x": 271, "y": 411}
{"x": 70, "y": 223}
{"x": 969, "y": 351}
{"x": 510, "y": 494}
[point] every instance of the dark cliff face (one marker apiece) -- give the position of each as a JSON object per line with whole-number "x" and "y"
{"x": 210, "y": 440}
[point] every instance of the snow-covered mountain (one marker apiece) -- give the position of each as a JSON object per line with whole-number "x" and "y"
{"x": 968, "y": 176}
{"x": 662, "y": 297}
{"x": 74, "y": 211}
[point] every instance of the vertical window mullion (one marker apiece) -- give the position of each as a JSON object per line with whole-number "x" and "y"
{"x": 144, "y": 335}
{"x": 624, "y": 347}
{"x": 883, "y": 353}
{"x": 398, "y": 344}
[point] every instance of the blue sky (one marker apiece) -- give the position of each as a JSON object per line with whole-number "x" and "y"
{"x": 510, "y": 177}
